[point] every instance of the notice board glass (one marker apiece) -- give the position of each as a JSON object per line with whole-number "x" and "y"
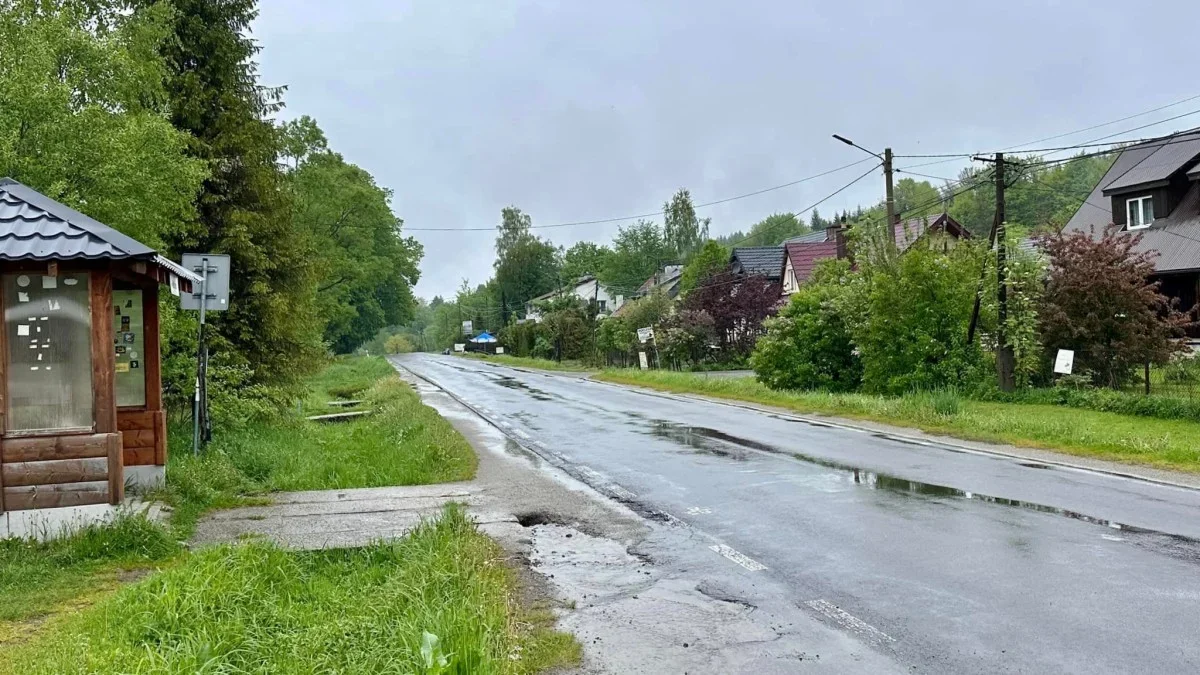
{"x": 128, "y": 338}
{"x": 48, "y": 327}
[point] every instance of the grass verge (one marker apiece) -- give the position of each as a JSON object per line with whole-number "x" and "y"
{"x": 441, "y": 600}
{"x": 402, "y": 442}
{"x": 1161, "y": 443}
{"x": 530, "y": 362}
{"x": 36, "y": 577}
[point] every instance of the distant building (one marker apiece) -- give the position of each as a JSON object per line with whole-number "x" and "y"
{"x": 589, "y": 289}
{"x": 801, "y": 254}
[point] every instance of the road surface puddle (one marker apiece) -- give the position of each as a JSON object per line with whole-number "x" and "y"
{"x": 713, "y": 442}
{"x": 515, "y": 384}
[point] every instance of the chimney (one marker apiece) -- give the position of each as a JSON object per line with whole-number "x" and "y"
{"x": 837, "y": 232}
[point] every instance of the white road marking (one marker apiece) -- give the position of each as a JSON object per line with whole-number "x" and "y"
{"x": 521, "y": 433}
{"x": 504, "y": 424}
{"x": 849, "y": 621}
{"x": 698, "y": 511}
{"x": 739, "y": 558}
{"x": 1109, "y": 537}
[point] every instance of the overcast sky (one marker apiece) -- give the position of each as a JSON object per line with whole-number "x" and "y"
{"x": 582, "y": 110}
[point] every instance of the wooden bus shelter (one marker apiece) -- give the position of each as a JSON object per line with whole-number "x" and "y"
{"x": 81, "y": 408}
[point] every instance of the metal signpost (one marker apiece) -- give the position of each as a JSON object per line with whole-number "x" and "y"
{"x": 212, "y": 296}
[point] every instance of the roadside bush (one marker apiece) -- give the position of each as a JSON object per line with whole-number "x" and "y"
{"x": 809, "y": 346}
{"x": 399, "y": 344}
{"x": 912, "y": 335}
{"x": 686, "y": 336}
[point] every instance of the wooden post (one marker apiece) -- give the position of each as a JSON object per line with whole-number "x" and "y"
{"x": 152, "y": 363}
{"x": 1147, "y": 378}
{"x": 3, "y": 388}
{"x": 1005, "y": 359}
{"x": 890, "y": 200}
{"x": 116, "y": 470}
{"x": 104, "y": 395}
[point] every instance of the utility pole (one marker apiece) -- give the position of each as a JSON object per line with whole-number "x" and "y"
{"x": 1005, "y": 359}
{"x": 890, "y": 199}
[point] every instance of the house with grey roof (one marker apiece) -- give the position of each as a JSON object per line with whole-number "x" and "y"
{"x": 1153, "y": 190}
{"x": 766, "y": 261}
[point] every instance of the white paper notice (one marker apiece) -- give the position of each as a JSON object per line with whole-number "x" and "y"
{"x": 22, "y": 297}
{"x": 49, "y": 282}
{"x": 22, "y": 330}
{"x": 174, "y": 285}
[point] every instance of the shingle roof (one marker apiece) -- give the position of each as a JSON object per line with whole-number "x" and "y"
{"x": 909, "y": 231}
{"x": 1157, "y": 162}
{"x": 760, "y": 260}
{"x": 804, "y": 256}
{"x": 35, "y": 227}
{"x": 1175, "y": 237}
{"x": 810, "y": 238}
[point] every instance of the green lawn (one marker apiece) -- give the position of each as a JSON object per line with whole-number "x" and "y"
{"x": 441, "y": 600}
{"x": 1168, "y": 444}
{"x": 529, "y": 362}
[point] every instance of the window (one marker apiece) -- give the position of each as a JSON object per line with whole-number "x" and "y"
{"x": 603, "y": 306}
{"x": 1140, "y": 211}
{"x": 47, "y": 321}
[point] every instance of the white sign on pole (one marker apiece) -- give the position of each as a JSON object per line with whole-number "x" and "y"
{"x": 468, "y": 328}
{"x": 645, "y": 334}
{"x": 643, "y": 360}
{"x": 460, "y": 347}
{"x": 499, "y": 350}
{"x": 1064, "y": 362}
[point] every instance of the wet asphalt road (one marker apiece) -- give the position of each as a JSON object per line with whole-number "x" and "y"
{"x": 948, "y": 561}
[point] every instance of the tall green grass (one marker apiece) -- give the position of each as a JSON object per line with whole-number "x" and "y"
{"x": 441, "y": 600}
{"x": 402, "y": 442}
{"x": 36, "y": 576}
{"x": 1164, "y": 443}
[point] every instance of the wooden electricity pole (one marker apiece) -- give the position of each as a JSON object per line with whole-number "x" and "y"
{"x": 1005, "y": 359}
{"x": 890, "y": 202}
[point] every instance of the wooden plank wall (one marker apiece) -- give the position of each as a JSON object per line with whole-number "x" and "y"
{"x": 142, "y": 433}
{"x": 48, "y": 472}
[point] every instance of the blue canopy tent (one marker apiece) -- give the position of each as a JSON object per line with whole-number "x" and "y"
{"x": 484, "y": 342}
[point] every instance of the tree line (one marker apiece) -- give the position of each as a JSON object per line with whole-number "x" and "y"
{"x": 1041, "y": 199}
{"x": 150, "y": 116}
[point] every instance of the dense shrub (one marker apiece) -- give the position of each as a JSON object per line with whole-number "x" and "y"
{"x": 809, "y": 346}
{"x": 686, "y": 336}
{"x": 912, "y": 331}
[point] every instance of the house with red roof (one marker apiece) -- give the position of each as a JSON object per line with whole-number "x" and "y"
{"x": 801, "y": 254}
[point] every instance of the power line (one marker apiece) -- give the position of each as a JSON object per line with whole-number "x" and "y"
{"x": 1072, "y": 133}
{"x": 646, "y": 215}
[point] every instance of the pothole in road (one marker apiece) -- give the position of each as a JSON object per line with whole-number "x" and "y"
{"x": 713, "y": 442}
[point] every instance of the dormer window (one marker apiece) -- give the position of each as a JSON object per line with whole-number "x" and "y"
{"x": 1140, "y": 211}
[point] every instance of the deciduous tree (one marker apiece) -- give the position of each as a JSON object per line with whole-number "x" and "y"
{"x": 1101, "y": 303}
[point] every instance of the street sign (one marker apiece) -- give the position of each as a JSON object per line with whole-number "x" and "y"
{"x": 1065, "y": 362}
{"x": 645, "y": 334}
{"x": 643, "y": 360}
{"x": 214, "y": 266}
{"x": 499, "y": 350}
{"x": 460, "y": 347}
{"x": 468, "y": 328}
